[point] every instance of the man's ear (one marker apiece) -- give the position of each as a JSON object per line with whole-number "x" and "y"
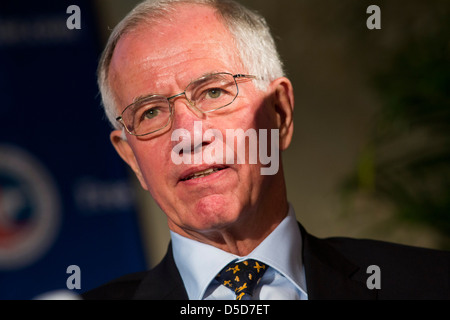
{"x": 125, "y": 151}
{"x": 283, "y": 99}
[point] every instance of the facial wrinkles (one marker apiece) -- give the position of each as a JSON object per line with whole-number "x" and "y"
{"x": 177, "y": 71}
{"x": 170, "y": 58}
{"x": 166, "y": 64}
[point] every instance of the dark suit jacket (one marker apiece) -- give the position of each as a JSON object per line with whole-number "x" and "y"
{"x": 336, "y": 268}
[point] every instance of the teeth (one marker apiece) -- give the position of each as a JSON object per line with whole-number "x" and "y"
{"x": 201, "y": 174}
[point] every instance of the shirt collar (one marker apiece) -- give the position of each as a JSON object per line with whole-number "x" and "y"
{"x": 197, "y": 271}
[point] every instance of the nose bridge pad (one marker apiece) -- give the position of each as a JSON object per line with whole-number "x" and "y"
{"x": 195, "y": 110}
{"x": 190, "y": 105}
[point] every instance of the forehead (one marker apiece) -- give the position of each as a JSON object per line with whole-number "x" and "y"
{"x": 187, "y": 43}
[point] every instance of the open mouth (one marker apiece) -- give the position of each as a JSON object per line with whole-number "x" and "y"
{"x": 201, "y": 174}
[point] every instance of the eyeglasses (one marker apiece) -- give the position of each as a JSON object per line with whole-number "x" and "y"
{"x": 206, "y": 94}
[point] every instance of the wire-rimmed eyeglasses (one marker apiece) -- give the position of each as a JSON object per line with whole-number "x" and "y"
{"x": 205, "y": 94}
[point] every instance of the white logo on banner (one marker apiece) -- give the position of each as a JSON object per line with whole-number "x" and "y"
{"x": 29, "y": 208}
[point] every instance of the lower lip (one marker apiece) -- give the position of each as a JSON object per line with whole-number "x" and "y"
{"x": 209, "y": 178}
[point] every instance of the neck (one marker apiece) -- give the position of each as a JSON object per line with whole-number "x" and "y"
{"x": 242, "y": 239}
{"x": 239, "y": 239}
{"x": 254, "y": 224}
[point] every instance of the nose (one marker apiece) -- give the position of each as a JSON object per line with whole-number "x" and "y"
{"x": 185, "y": 113}
{"x": 188, "y": 127}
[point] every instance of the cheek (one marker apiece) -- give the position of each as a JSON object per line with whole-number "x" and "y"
{"x": 266, "y": 117}
{"x": 258, "y": 112}
{"x": 152, "y": 160}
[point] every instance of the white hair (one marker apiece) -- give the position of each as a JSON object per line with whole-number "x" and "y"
{"x": 254, "y": 42}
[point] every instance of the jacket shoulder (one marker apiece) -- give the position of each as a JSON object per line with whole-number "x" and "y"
{"x": 387, "y": 252}
{"x": 405, "y": 271}
{"x": 161, "y": 282}
{"x": 122, "y": 288}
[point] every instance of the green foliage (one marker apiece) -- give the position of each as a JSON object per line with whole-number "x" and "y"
{"x": 407, "y": 158}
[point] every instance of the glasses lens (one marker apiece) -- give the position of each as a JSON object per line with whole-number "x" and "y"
{"x": 148, "y": 115}
{"x": 212, "y": 92}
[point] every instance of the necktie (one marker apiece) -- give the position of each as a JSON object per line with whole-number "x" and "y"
{"x": 242, "y": 277}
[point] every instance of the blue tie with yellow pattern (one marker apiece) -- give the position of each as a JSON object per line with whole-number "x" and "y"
{"x": 242, "y": 277}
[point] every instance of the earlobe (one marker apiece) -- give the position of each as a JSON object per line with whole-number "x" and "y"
{"x": 284, "y": 108}
{"x": 125, "y": 151}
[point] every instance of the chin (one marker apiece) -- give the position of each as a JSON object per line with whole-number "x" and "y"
{"x": 215, "y": 212}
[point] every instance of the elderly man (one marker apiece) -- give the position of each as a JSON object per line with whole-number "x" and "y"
{"x": 179, "y": 80}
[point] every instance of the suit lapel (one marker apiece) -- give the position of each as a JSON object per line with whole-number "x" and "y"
{"x": 163, "y": 282}
{"x": 329, "y": 275}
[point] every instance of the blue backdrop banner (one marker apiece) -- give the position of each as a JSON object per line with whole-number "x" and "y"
{"x": 67, "y": 215}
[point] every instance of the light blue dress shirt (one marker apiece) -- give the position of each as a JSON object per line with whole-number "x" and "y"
{"x": 199, "y": 263}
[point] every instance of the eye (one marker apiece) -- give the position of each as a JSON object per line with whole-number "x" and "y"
{"x": 214, "y": 93}
{"x": 150, "y": 113}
